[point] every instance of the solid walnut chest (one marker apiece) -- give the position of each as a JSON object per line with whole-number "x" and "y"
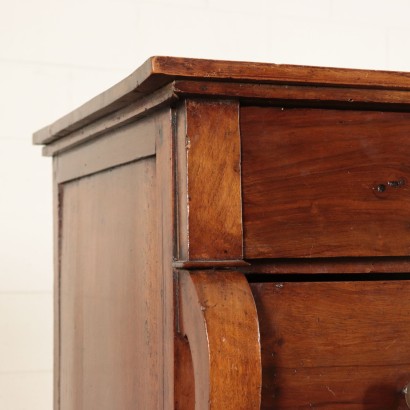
{"x": 233, "y": 236}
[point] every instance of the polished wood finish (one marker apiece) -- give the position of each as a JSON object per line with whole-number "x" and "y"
{"x": 325, "y": 183}
{"x": 332, "y": 345}
{"x": 277, "y": 73}
{"x": 321, "y": 266}
{"x": 195, "y": 188}
{"x": 158, "y": 71}
{"x": 184, "y": 375}
{"x": 218, "y": 316}
{"x": 210, "y": 199}
{"x": 295, "y": 95}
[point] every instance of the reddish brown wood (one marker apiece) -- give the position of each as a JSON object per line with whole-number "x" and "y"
{"x": 212, "y": 206}
{"x": 209, "y": 264}
{"x": 294, "y": 94}
{"x": 334, "y": 345}
{"x": 329, "y": 266}
{"x": 184, "y": 375}
{"x": 218, "y": 316}
{"x": 325, "y": 191}
{"x": 277, "y": 73}
{"x": 311, "y": 182}
{"x": 158, "y": 71}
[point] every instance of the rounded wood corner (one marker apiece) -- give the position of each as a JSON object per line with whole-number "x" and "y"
{"x": 218, "y": 316}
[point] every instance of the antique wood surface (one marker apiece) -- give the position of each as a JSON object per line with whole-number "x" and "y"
{"x": 318, "y": 266}
{"x": 184, "y": 375}
{"x": 165, "y": 242}
{"x": 181, "y": 182}
{"x": 233, "y": 235}
{"x": 328, "y": 96}
{"x": 57, "y": 219}
{"x": 218, "y": 317}
{"x": 206, "y": 264}
{"x": 277, "y": 73}
{"x": 110, "y": 292}
{"x": 126, "y": 144}
{"x": 334, "y": 345}
{"x": 210, "y": 207}
{"x": 325, "y": 183}
{"x": 158, "y": 71}
{"x": 131, "y": 113}
{"x": 155, "y": 195}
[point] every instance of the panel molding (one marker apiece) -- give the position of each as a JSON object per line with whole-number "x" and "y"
{"x": 126, "y": 144}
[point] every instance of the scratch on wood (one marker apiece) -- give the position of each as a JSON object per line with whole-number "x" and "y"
{"x": 331, "y": 391}
{"x": 390, "y": 344}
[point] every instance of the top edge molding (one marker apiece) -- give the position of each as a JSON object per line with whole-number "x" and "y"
{"x": 159, "y": 70}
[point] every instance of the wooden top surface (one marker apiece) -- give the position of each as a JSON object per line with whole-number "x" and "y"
{"x": 158, "y": 71}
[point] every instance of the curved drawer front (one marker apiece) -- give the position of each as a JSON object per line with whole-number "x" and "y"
{"x": 325, "y": 183}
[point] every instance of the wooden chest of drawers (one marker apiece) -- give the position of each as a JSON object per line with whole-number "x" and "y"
{"x": 233, "y": 236}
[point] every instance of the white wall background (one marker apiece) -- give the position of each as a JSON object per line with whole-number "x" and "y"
{"x": 56, "y": 54}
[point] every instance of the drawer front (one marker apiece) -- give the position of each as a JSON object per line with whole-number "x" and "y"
{"x": 334, "y": 345}
{"x": 325, "y": 183}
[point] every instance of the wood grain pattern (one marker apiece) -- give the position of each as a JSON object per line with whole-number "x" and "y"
{"x": 278, "y": 73}
{"x": 111, "y": 292}
{"x": 158, "y": 71}
{"x": 311, "y": 181}
{"x": 334, "y": 345}
{"x": 320, "y": 266}
{"x": 218, "y": 316}
{"x": 295, "y": 94}
{"x": 147, "y": 179}
{"x": 213, "y": 181}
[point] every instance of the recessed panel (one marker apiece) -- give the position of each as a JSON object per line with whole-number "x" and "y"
{"x": 110, "y": 292}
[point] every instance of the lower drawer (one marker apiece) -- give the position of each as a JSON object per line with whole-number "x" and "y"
{"x": 334, "y": 345}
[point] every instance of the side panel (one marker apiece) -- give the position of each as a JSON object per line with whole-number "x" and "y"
{"x": 111, "y": 308}
{"x": 114, "y": 318}
{"x": 165, "y": 188}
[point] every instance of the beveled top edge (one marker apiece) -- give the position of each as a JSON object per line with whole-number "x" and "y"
{"x": 158, "y": 71}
